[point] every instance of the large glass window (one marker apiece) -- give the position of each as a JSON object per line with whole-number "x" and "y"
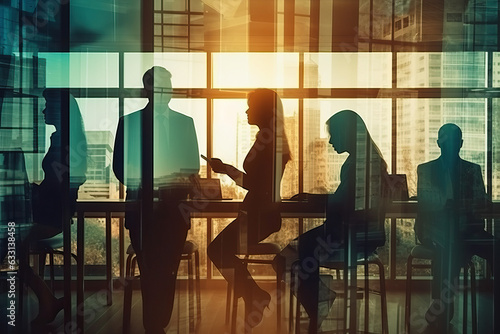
{"x": 86, "y": 70}
{"x": 189, "y": 70}
{"x": 436, "y": 69}
{"x": 252, "y": 70}
{"x": 347, "y": 70}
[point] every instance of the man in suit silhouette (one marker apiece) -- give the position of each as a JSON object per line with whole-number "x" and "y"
{"x": 451, "y": 194}
{"x": 158, "y": 240}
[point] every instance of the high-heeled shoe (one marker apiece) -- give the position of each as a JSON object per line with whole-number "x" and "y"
{"x": 324, "y": 305}
{"x": 48, "y": 313}
{"x": 260, "y": 301}
{"x": 324, "y": 308}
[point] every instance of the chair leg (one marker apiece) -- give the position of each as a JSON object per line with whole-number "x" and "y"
{"x": 294, "y": 310}
{"x": 297, "y": 308}
{"x": 367, "y": 297}
{"x": 383, "y": 297}
{"x": 290, "y": 302}
{"x": 409, "y": 274}
{"x": 198, "y": 287}
{"x": 22, "y": 285}
{"x": 51, "y": 264}
{"x": 191, "y": 292}
{"x": 278, "y": 301}
{"x": 228, "y": 302}
{"x": 297, "y": 315}
{"x": 234, "y": 311}
{"x": 178, "y": 302}
{"x": 127, "y": 293}
{"x": 42, "y": 257}
{"x": 465, "y": 306}
{"x": 346, "y": 301}
{"x": 473, "y": 297}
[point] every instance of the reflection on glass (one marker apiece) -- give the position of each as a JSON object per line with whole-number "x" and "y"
{"x": 189, "y": 70}
{"x": 380, "y": 14}
{"x": 347, "y": 70}
{"x": 250, "y": 70}
{"x": 74, "y": 69}
{"x": 18, "y": 128}
{"x": 418, "y": 123}
{"x": 441, "y": 69}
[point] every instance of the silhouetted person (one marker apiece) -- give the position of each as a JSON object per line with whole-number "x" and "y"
{"x": 359, "y": 199}
{"x": 49, "y": 197}
{"x": 450, "y": 194}
{"x": 263, "y": 169}
{"x": 158, "y": 243}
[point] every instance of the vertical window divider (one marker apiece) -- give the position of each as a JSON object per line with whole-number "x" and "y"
{"x": 301, "y": 134}
{"x": 121, "y": 188}
{"x": 489, "y": 145}
{"x": 392, "y": 243}
{"x": 209, "y": 102}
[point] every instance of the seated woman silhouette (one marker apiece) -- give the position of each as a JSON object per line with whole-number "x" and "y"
{"x": 263, "y": 169}
{"x": 49, "y": 197}
{"x": 358, "y": 198}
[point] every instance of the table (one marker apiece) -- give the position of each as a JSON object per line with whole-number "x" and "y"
{"x": 206, "y": 209}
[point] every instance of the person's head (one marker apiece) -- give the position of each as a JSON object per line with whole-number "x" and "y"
{"x": 158, "y": 85}
{"x": 53, "y": 107}
{"x": 348, "y": 133}
{"x": 57, "y": 103}
{"x": 346, "y": 128}
{"x": 265, "y": 110}
{"x": 450, "y": 140}
{"x": 264, "y": 107}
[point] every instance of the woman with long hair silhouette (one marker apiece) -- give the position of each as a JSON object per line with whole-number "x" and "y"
{"x": 54, "y": 200}
{"x": 358, "y": 199}
{"x": 263, "y": 169}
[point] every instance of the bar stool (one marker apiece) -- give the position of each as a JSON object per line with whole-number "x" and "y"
{"x": 43, "y": 247}
{"x": 426, "y": 253}
{"x": 264, "y": 248}
{"x": 362, "y": 293}
{"x": 189, "y": 252}
{"x": 50, "y": 246}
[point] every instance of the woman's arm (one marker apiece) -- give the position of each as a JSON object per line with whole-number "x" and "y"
{"x": 234, "y": 173}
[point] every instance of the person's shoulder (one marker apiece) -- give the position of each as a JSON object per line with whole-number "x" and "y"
{"x": 180, "y": 117}
{"x": 175, "y": 113}
{"x": 132, "y": 117}
{"x": 427, "y": 165}
{"x": 468, "y": 165}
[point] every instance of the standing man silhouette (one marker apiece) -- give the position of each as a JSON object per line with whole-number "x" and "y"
{"x": 451, "y": 194}
{"x": 158, "y": 241}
